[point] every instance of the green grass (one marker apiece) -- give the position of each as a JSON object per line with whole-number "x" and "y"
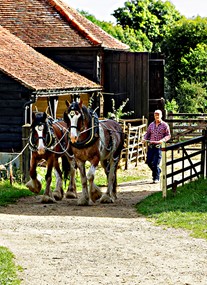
{"x": 8, "y": 269}
{"x": 11, "y": 193}
{"x": 187, "y": 209}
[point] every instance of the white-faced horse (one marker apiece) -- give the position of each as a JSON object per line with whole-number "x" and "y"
{"x": 48, "y": 141}
{"x": 93, "y": 140}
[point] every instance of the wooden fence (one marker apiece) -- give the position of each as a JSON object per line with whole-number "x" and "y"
{"x": 134, "y": 150}
{"x": 182, "y": 162}
{"x": 184, "y": 126}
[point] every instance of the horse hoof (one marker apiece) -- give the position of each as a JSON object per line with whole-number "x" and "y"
{"x": 47, "y": 199}
{"x": 57, "y": 196}
{"x": 96, "y": 195}
{"x": 83, "y": 202}
{"x": 105, "y": 199}
{"x": 70, "y": 195}
{"x": 34, "y": 186}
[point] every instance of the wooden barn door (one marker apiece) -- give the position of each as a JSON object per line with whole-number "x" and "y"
{"x": 156, "y": 85}
{"x": 133, "y": 75}
{"x": 126, "y": 75}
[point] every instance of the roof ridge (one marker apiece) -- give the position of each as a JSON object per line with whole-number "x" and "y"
{"x": 76, "y": 24}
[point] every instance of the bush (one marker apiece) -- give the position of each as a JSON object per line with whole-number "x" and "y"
{"x": 192, "y": 98}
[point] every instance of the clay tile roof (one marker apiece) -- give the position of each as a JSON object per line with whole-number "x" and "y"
{"x": 52, "y": 23}
{"x": 36, "y": 71}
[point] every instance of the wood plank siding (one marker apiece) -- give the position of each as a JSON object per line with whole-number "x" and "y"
{"x": 126, "y": 75}
{"x": 13, "y": 96}
{"x": 84, "y": 61}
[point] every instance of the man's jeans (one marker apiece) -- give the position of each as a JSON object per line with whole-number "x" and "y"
{"x": 154, "y": 155}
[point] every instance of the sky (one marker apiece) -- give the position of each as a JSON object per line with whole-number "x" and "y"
{"x": 102, "y": 9}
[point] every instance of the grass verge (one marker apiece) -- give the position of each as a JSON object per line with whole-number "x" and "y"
{"x": 8, "y": 269}
{"x": 187, "y": 209}
{"x": 11, "y": 193}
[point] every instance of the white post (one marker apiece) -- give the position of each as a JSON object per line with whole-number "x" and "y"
{"x": 164, "y": 170}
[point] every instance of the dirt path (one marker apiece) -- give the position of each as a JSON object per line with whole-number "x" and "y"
{"x": 102, "y": 244}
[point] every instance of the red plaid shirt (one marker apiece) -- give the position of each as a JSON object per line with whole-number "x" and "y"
{"x": 161, "y": 132}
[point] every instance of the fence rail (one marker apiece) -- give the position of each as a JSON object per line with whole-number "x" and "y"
{"x": 134, "y": 149}
{"x": 182, "y": 162}
{"x": 185, "y": 126}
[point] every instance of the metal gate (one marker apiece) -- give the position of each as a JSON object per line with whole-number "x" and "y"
{"x": 183, "y": 162}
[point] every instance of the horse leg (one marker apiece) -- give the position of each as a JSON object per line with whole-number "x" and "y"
{"x": 33, "y": 184}
{"x": 58, "y": 192}
{"x": 47, "y": 196}
{"x": 94, "y": 190}
{"x": 110, "y": 195}
{"x": 84, "y": 199}
{"x": 71, "y": 192}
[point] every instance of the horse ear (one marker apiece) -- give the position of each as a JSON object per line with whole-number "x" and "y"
{"x": 67, "y": 103}
{"x": 33, "y": 116}
{"x": 65, "y": 117}
{"x": 80, "y": 104}
{"x": 44, "y": 116}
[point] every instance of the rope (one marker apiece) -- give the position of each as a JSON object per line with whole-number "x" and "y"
{"x": 17, "y": 155}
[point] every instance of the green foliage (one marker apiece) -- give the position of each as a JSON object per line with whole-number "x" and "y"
{"x": 8, "y": 269}
{"x": 117, "y": 114}
{"x": 192, "y": 98}
{"x": 185, "y": 51}
{"x": 136, "y": 40}
{"x": 187, "y": 209}
{"x": 171, "y": 106}
{"x": 151, "y": 18}
{"x": 193, "y": 65}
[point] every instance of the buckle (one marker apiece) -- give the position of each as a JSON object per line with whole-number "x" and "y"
{"x": 158, "y": 146}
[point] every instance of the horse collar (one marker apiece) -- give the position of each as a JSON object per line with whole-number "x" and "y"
{"x": 93, "y": 133}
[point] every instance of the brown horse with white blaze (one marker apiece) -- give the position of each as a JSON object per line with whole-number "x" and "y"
{"x": 48, "y": 141}
{"x": 94, "y": 141}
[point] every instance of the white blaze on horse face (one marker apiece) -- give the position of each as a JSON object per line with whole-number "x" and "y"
{"x": 74, "y": 125}
{"x": 41, "y": 146}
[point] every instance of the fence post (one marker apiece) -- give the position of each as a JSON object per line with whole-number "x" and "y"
{"x": 204, "y": 155}
{"x": 164, "y": 170}
{"x": 25, "y": 165}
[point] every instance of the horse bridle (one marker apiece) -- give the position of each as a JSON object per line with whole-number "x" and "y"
{"x": 49, "y": 139}
{"x": 93, "y": 128}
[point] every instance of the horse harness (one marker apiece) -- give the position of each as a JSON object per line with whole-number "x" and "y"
{"x": 93, "y": 129}
{"x": 49, "y": 139}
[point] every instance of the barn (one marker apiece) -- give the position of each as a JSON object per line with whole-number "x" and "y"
{"x": 25, "y": 76}
{"x": 61, "y": 33}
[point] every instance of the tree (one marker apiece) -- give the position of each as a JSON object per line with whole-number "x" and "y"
{"x": 151, "y": 18}
{"x": 185, "y": 51}
{"x": 136, "y": 40}
{"x": 192, "y": 97}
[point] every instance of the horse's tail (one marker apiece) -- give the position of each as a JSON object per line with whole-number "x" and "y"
{"x": 65, "y": 168}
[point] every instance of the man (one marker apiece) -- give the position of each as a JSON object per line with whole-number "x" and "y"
{"x": 157, "y": 132}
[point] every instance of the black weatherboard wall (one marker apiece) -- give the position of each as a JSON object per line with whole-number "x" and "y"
{"x": 127, "y": 76}
{"x": 85, "y": 61}
{"x": 138, "y": 76}
{"x": 13, "y": 96}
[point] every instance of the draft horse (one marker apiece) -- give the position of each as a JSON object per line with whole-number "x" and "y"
{"x": 94, "y": 141}
{"x": 48, "y": 141}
